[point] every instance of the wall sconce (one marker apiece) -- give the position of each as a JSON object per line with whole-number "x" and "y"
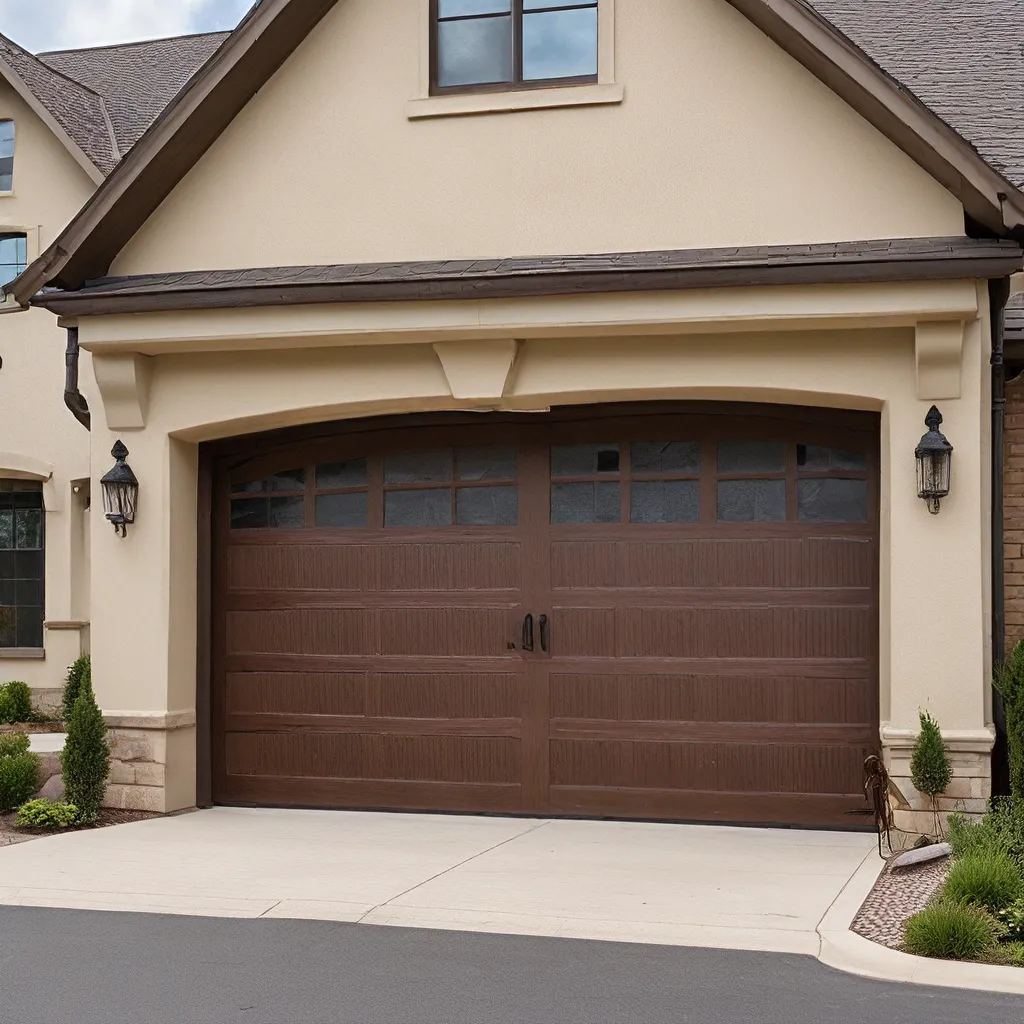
{"x": 120, "y": 492}
{"x": 934, "y": 460}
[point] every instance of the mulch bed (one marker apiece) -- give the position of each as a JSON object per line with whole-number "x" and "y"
{"x": 9, "y": 835}
{"x": 898, "y": 895}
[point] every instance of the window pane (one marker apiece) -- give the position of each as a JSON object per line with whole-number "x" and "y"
{"x": 6, "y": 138}
{"x": 499, "y": 463}
{"x": 286, "y": 480}
{"x": 28, "y": 565}
{"x": 751, "y": 457}
{"x": 6, "y": 173}
{"x": 474, "y": 52}
{"x": 585, "y": 503}
{"x": 752, "y": 501}
{"x": 418, "y": 508}
{"x": 817, "y": 459}
{"x": 6, "y": 156}
{"x": 13, "y": 256}
{"x": 458, "y": 8}
{"x": 287, "y": 513}
{"x": 341, "y": 510}
{"x": 584, "y": 459}
{"x": 8, "y": 627}
{"x": 29, "y": 592}
{"x": 665, "y": 457}
{"x": 533, "y": 5}
{"x": 669, "y": 501}
{"x": 419, "y": 467}
{"x": 560, "y": 44}
{"x": 341, "y": 474}
{"x": 30, "y": 627}
{"x": 7, "y": 529}
{"x": 487, "y": 506}
{"x": 28, "y": 528}
{"x": 249, "y": 514}
{"x": 834, "y": 501}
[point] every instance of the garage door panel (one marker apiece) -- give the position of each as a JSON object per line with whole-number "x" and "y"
{"x": 455, "y": 632}
{"x": 728, "y": 767}
{"x": 447, "y": 695}
{"x": 589, "y": 632}
{"x": 442, "y": 566}
{"x": 283, "y": 567}
{"x": 297, "y": 693}
{"x": 303, "y": 631}
{"x": 371, "y": 756}
{"x": 711, "y": 698}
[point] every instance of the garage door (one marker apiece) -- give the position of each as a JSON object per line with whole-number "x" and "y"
{"x": 641, "y": 612}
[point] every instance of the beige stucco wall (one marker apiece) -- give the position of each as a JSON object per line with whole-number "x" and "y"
{"x": 38, "y": 436}
{"x": 933, "y": 569}
{"x": 722, "y": 139}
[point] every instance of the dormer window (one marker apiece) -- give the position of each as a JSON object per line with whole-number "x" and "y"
{"x": 512, "y": 44}
{"x": 13, "y": 257}
{"x": 6, "y": 156}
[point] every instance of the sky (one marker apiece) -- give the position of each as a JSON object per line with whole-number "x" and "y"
{"x": 40, "y": 25}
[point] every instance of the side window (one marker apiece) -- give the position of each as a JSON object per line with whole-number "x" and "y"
{"x": 13, "y": 257}
{"x": 6, "y": 156}
{"x": 515, "y": 44}
{"x": 21, "y": 564}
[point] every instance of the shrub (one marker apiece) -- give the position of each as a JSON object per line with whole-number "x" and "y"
{"x": 46, "y": 814}
{"x": 85, "y": 760}
{"x": 15, "y": 703}
{"x": 930, "y": 770}
{"x": 77, "y": 674}
{"x": 1001, "y": 830}
{"x": 951, "y": 931}
{"x": 11, "y": 746}
{"x": 1009, "y": 682}
{"x": 990, "y": 879}
{"x": 19, "y": 779}
{"x": 1009, "y": 954}
{"x": 1012, "y": 919}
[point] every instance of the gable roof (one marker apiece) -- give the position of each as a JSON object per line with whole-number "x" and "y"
{"x": 136, "y": 81}
{"x": 274, "y": 28}
{"x": 964, "y": 60}
{"x": 100, "y": 101}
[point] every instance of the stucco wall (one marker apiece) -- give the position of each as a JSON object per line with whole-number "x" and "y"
{"x": 722, "y": 139}
{"x": 49, "y": 187}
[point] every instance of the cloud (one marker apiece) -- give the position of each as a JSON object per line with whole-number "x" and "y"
{"x": 59, "y": 24}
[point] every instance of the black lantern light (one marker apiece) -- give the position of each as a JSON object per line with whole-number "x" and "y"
{"x": 934, "y": 459}
{"x": 120, "y": 491}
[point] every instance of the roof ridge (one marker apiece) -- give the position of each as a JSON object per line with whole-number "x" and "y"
{"x": 132, "y": 42}
{"x": 49, "y": 68}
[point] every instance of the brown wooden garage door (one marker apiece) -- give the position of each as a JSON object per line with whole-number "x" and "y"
{"x": 641, "y": 612}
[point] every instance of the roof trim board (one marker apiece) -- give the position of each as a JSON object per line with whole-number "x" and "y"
{"x": 911, "y": 259}
{"x": 274, "y": 28}
{"x": 18, "y": 84}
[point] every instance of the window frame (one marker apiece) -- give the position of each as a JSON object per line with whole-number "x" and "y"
{"x": 16, "y": 651}
{"x": 517, "y": 84}
{"x": 14, "y": 158}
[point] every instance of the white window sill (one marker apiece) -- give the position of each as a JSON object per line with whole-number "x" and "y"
{"x": 463, "y": 103}
{"x": 22, "y": 654}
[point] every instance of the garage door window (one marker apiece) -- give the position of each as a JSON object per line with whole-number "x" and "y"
{"x": 825, "y": 493}
{"x": 464, "y": 486}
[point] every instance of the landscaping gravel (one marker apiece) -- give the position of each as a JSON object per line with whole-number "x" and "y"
{"x": 898, "y": 895}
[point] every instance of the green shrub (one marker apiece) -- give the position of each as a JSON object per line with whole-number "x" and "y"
{"x": 1009, "y": 954}
{"x": 85, "y": 760}
{"x": 19, "y": 779}
{"x": 11, "y": 746}
{"x": 1012, "y": 920}
{"x": 991, "y": 880}
{"x": 77, "y": 674}
{"x": 15, "y": 703}
{"x": 930, "y": 770}
{"x": 1009, "y": 681}
{"x": 1000, "y": 831}
{"x": 951, "y": 931}
{"x": 46, "y": 814}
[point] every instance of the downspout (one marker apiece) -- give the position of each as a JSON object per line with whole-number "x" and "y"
{"x": 999, "y": 294}
{"x": 73, "y": 398}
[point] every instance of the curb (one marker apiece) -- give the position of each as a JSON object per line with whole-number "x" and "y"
{"x": 846, "y": 951}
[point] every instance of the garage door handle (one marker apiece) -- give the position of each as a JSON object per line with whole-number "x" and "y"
{"x": 544, "y": 633}
{"x": 528, "y": 633}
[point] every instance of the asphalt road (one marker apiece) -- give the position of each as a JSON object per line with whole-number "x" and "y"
{"x": 71, "y": 967}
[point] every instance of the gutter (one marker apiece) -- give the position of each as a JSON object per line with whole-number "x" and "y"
{"x": 73, "y": 398}
{"x": 999, "y": 294}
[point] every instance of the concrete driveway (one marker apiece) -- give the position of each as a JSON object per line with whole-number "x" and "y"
{"x": 756, "y": 889}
